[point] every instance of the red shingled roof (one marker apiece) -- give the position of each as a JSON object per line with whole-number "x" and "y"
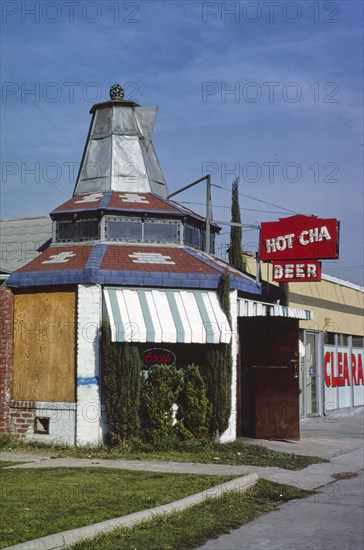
{"x": 147, "y": 202}
{"x": 72, "y": 257}
{"x": 153, "y": 258}
{"x": 143, "y": 202}
{"x": 120, "y": 258}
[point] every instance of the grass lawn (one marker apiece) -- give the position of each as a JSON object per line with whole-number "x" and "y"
{"x": 193, "y": 527}
{"x": 237, "y": 452}
{"x": 40, "y": 502}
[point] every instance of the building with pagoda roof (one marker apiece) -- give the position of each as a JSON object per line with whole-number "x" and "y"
{"x": 122, "y": 249}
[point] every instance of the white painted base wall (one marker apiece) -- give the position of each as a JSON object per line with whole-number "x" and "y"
{"x": 62, "y": 422}
{"x": 88, "y": 414}
{"x": 230, "y": 433}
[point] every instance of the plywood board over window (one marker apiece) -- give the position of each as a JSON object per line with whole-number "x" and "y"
{"x": 44, "y": 346}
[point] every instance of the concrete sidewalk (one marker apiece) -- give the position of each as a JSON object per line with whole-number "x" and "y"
{"x": 340, "y": 441}
{"x": 331, "y": 518}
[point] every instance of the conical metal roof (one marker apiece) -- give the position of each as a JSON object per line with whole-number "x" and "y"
{"x": 119, "y": 154}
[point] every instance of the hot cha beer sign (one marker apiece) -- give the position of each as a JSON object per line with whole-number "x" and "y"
{"x": 298, "y": 239}
{"x": 297, "y": 270}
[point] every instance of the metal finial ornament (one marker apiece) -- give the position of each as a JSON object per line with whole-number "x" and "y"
{"x": 116, "y": 92}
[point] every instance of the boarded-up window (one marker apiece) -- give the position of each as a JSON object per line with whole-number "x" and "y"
{"x": 44, "y": 346}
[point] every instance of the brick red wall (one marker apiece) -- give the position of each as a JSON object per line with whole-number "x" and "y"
{"x": 6, "y": 353}
{"x": 21, "y": 417}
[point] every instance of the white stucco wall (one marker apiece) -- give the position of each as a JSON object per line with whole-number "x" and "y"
{"x": 62, "y": 422}
{"x": 88, "y": 414}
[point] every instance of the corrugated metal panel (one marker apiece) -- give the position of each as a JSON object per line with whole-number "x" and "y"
{"x": 21, "y": 239}
{"x": 251, "y": 308}
{"x": 119, "y": 155}
{"x": 174, "y": 316}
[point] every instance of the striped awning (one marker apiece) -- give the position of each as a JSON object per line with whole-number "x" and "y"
{"x": 180, "y": 316}
{"x": 251, "y": 308}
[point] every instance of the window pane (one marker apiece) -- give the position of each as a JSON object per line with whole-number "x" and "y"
{"x": 125, "y": 231}
{"x": 343, "y": 340}
{"x": 329, "y": 338}
{"x": 358, "y": 341}
{"x": 160, "y": 232}
{"x": 78, "y": 230}
{"x": 212, "y": 241}
{"x": 192, "y": 236}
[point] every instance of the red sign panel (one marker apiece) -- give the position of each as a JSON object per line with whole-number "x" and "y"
{"x": 299, "y": 237}
{"x": 294, "y": 271}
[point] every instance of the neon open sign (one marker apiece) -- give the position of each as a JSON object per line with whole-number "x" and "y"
{"x": 158, "y": 356}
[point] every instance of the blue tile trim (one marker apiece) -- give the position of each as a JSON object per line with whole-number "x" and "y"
{"x": 167, "y": 201}
{"x": 105, "y": 200}
{"x": 93, "y": 275}
{"x": 42, "y": 278}
{"x": 96, "y": 256}
{"x": 98, "y": 276}
{"x": 195, "y": 254}
{"x": 142, "y": 212}
{"x": 87, "y": 381}
{"x": 236, "y": 283}
{"x": 79, "y": 208}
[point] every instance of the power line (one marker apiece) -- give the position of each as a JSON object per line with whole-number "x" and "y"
{"x": 226, "y": 206}
{"x": 20, "y": 160}
{"x": 339, "y": 268}
{"x": 258, "y": 200}
{"x": 45, "y": 115}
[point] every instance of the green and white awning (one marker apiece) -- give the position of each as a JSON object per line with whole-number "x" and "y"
{"x": 251, "y": 308}
{"x": 180, "y": 316}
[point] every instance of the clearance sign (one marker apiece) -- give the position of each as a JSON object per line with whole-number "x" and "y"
{"x": 295, "y": 245}
{"x": 337, "y": 367}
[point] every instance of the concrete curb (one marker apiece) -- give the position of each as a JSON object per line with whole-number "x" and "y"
{"x": 67, "y": 538}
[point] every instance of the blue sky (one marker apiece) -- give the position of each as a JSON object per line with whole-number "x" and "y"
{"x": 271, "y": 92}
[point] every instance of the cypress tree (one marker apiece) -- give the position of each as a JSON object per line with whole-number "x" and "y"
{"x": 285, "y": 290}
{"x": 194, "y": 408}
{"x": 121, "y": 383}
{"x": 224, "y": 294}
{"x": 236, "y": 257}
{"x": 159, "y": 392}
{"x": 217, "y": 371}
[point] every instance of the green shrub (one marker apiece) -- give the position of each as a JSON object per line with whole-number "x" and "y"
{"x": 121, "y": 381}
{"x": 217, "y": 375}
{"x": 159, "y": 392}
{"x": 194, "y": 409}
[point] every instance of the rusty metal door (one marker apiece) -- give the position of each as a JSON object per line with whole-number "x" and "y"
{"x": 276, "y": 410}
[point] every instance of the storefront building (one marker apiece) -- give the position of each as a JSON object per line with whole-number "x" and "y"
{"x": 331, "y": 347}
{"x": 330, "y": 344}
{"x": 122, "y": 250}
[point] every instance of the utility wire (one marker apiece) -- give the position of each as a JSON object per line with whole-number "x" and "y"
{"x": 45, "y": 115}
{"x": 347, "y": 267}
{"x": 258, "y": 200}
{"x": 226, "y": 206}
{"x": 20, "y": 160}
